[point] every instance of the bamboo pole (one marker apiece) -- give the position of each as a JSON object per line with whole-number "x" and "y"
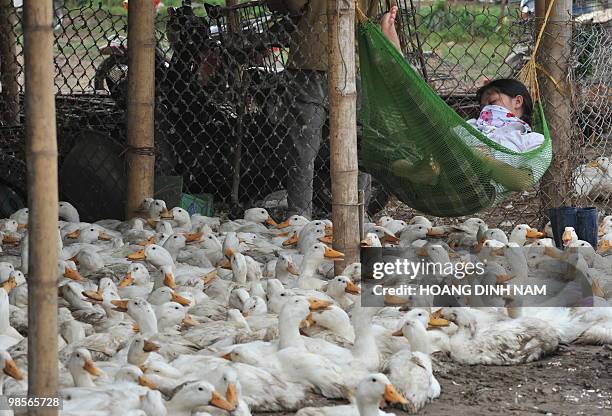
{"x": 141, "y": 104}
{"x": 41, "y": 157}
{"x": 343, "y": 130}
{"x": 553, "y": 55}
{"x": 9, "y": 67}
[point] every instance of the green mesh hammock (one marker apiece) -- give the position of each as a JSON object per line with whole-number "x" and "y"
{"x": 422, "y": 151}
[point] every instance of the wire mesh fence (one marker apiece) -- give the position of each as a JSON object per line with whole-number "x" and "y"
{"x": 241, "y": 101}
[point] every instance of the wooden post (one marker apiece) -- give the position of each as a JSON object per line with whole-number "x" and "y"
{"x": 9, "y": 67}
{"x": 239, "y": 96}
{"x": 41, "y": 157}
{"x": 554, "y": 55}
{"x": 343, "y": 129}
{"x": 141, "y": 104}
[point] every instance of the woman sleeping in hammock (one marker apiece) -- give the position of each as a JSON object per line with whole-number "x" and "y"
{"x": 505, "y": 117}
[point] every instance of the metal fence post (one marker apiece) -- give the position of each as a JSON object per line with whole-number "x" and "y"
{"x": 41, "y": 155}
{"x": 141, "y": 104}
{"x": 9, "y": 67}
{"x": 554, "y": 55}
{"x": 343, "y": 129}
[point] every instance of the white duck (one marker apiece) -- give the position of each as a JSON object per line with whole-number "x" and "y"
{"x": 506, "y": 342}
{"x": 410, "y": 370}
{"x": 370, "y": 392}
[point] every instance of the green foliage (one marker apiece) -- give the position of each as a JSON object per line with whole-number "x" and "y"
{"x": 461, "y": 23}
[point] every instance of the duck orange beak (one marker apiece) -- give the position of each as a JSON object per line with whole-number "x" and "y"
{"x": 179, "y": 299}
{"x": 210, "y": 277}
{"x": 193, "y": 237}
{"x": 291, "y": 268}
{"x": 597, "y": 290}
{"x": 218, "y": 401}
{"x": 10, "y": 369}
{"x": 366, "y": 242}
{"x": 22, "y": 226}
{"x": 138, "y": 255}
{"x": 502, "y": 278}
{"x": 93, "y": 295}
{"x": 327, "y": 239}
{"x": 227, "y": 356}
{"x": 270, "y": 221}
{"x": 232, "y": 394}
{"x": 437, "y": 314}
{"x": 74, "y": 234}
{"x": 146, "y": 383}
{"x": 398, "y": 333}
{"x": 567, "y": 238}
{"x": 120, "y": 305}
{"x": 352, "y": 288}
{"x": 309, "y": 321}
{"x": 9, "y": 284}
{"x": 225, "y": 264}
{"x": 437, "y": 322}
{"x": 421, "y": 252}
{"x": 330, "y": 253}
{"x": 593, "y": 164}
{"x": 393, "y": 396}
{"x": 169, "y": 281}
{"x": 283, "y": 224}
{"x": 166, "y": 215}
{"x": 127, "y": 280}
{"x": 150, "y": 346}
{"x": 135, "y": 327}
{"x": 291, "y": 240}
{"x": 72, "y": 274}
{"x": 91, "y": 368}
{"x": 147, "y": 242}
{"x": 390, "y": 238}
{"x": 104, "y": 237}
{"x": 435, "y": 232}
{"x": 318, "y": 304}
{"x": 534, "y": 233}
{"x": 603, "y": 247}
{"x": 188, "y": 321}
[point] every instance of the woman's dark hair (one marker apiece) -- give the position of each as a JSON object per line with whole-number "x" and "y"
{"x": 511, "y": 88}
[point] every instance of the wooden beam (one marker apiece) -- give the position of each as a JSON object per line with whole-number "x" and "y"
{"x": 41, "y": 158}
{"x": 343, "y": 130}
{"x": 141, "y": 104}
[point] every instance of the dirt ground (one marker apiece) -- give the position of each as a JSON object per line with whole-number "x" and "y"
{"x": 575, "y": 381}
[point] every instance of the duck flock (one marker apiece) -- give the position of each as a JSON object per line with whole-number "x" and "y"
{"x": 177, "y": 314}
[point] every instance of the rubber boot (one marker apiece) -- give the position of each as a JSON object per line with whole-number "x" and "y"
{"x": 586, "y": 225}
{"x": 559, "y": 219}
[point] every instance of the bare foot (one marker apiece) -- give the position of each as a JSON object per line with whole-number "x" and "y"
{"x": 387, "y": 25}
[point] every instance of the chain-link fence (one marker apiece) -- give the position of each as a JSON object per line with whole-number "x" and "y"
{"x": 241, "y": 101}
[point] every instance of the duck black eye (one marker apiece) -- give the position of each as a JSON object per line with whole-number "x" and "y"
{"x": 420, "y": 314}
{"x": 373, "y": 380}
{"x": 282, "y": 294}
{"x": 153, "y": 248}
{"x": 200, "y": 389}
